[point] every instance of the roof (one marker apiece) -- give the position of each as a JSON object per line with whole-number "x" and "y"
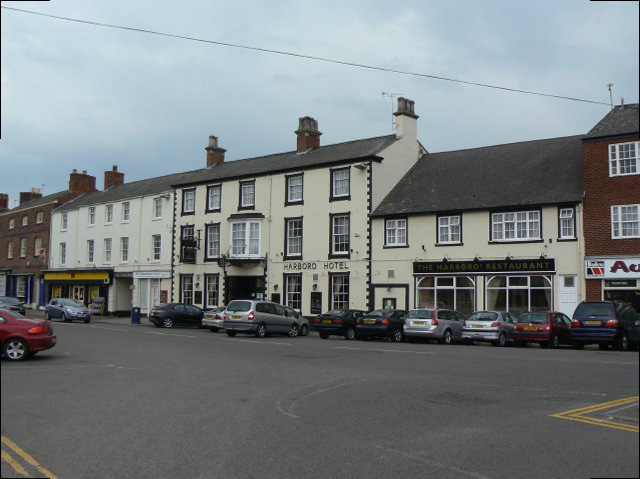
{"x": 289, "y": 161}
{"x": 37, "y": 202}
{"x": 621, "y": 120}
{"x": 527, "y": 173}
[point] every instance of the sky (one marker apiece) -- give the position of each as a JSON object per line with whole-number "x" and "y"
{"x": 88, "y": 97}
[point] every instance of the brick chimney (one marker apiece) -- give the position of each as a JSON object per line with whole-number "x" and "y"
{"x": 80, "y": 183}
{"x": 215, "y": 154}
{"x": 4, "y": 201}
{"x": 30, "y": 195}
{"x": 406, "y": 119}
{"x": 113, "y": 177}
{"x": 308, "y": 134}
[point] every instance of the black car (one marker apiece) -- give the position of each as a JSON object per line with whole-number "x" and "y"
{"x": 340, "y": 322}
{"x": 386, "y": 323}
{"x": 14, "y": 304}
{"x": 168, "y": 315}
{"x": 607, "y": 323}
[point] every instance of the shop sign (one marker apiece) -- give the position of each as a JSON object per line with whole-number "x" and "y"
{"x": 620, "y": 283}
{"x": 151, "y": 274}
{"x": 503, "y": 266}
{"x": 123, "y": 275}
{"x": 316, "y": 265}
{"x": 613, "y": 268}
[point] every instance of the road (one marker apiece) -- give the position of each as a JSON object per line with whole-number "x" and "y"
{"x": 115, "y": 400}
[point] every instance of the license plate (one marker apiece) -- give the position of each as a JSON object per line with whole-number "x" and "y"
{"x": 478, "y": 326}
{"x": 326, "y": 321}
{"x": 236, "y": 316}
{"x": 418, "y": 322}
{"x": 597, "y": 323}
{"x": 530, "y": 328}
{"x": 369, "y": 321}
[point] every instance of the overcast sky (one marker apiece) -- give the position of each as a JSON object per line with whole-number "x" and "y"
{"x": 88, "y": 97}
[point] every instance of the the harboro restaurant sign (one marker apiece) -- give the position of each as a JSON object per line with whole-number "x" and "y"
{"x": 498, "y": 266}
{"x": 612, "y": 268}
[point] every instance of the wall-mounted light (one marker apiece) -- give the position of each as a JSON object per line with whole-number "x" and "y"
{"x": 360, "y": 166}
{"x": 315, "y": 286}
{"x": 543, "y": 256}
{"x": 507, "y": 258}
{"x": 275, "y": 287}
{"x": 477, "y": 258}
{"x": 445, "y": 259}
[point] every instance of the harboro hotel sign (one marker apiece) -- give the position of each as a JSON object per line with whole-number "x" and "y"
{"x": 499, "y": 266}
{"x": 597, "y": 268}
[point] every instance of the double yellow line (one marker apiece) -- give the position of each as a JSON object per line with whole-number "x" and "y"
{"x": 8, "y": 458}
{"x": 583, "y": 414}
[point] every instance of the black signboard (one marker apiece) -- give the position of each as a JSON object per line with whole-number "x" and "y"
{"x": 497, "y": 266}
{"x": 620, "y": 283}
{"x": 316, "y": 302}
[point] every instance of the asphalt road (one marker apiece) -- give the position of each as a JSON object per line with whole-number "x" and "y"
{"x": 134, "y": 401}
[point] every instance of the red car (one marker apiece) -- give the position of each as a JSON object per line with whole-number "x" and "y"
{"x": 549, "y": 328}
{"x": 22, "y": 337}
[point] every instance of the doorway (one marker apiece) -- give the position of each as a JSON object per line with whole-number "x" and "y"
{"x": 568, "y": 294}
{"x": 244, "y": 287}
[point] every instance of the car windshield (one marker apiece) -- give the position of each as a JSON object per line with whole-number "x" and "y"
{"x": 594, "y": 309}
{"x": 420, "y": 314}
{"x": 241, "y": 306}
{"x": 12, "y": 314}
{"x": 336, "y": 312}
{"x": 6, "y": 300}
{"x": 533, "y": 318}
{"x": 71, "y": 302}
{"x": 483, "y": 316}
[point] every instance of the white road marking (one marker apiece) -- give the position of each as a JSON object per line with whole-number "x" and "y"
{"x": 383, "y": 350}
{"x": 257, "y": 342}
{"x": 170, "y": 334}
{"x": 109, "y": 329}
{"x": 635, "y": 404}
{"x": 526, "y": 388}
{"x": 59, "y": 368}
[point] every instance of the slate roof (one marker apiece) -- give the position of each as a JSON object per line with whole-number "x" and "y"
{"x": 528, "y": 173}
{"x": 620, "y": 120}
{"x": 38, "y": 202}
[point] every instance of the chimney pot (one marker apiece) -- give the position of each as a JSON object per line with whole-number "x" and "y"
{"x": 84, "y": 172}
{"x": 308, "y": 134}
{"x": 74, "y": 171}
{"x": 114, "y": 168}
{"x": 215, "y": 154}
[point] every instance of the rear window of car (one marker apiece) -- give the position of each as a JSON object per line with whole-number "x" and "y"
{"x": 241, "y": 306}
{"x": 336, "y": 312}
{"x": 594, "y": 309}
{"x": 533, "y": 318}
{"x": 10, "y": 301}
{"x": 483, "y": 316}
{"x": 420, "y": 314}
{"x": 381, "y": 313}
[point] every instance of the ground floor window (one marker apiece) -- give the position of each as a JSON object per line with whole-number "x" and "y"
{"x": 518, "y": 294}
{"x": 448, "y": 292}
{"x": 21, "y": 287}
{"x": 293, "y": 291}
{"x": 626, "y": 291}
{"x": 339, "y": 291}
{"x": 212, "y": 290}
{"x": 186, "y": 289}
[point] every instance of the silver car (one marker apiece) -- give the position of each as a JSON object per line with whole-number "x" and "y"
{"x": 67, "y": 309}
{"x": 259, "y": 318}
{"x": 493, "y": 326}
{"x": 213, "y": 319}
{"x": 443, "y": 325}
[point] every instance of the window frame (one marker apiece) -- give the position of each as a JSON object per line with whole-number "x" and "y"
{"x": 573, "y": 209}
{"x": 185, "y": 192}
{"x": 440, "y": 217}
{"x": 620, "y": 223}
{"x": 184, "y": 277}
{"x": 617, "y": 160}
{"x": 12, "y": 223}
{"x": 10, "y": 250}
{"x": 91, "y": 216}
{"x": 91, "y": 251}
{"x": 64, "y": 221}
{"x": 157, "y": 201}
{"x": 287, "y": 254}
{"x": 39, "y": 217}
{"x": 126, "y": 212}
{"x": 107, "y": 253}
{"x": 241, "y": 185}
{"x": 24, "y": 221}
{"x": 207, "y": 277}
{"x": 332, "y": 195}
{"x": 515, "y": 212}
{"x": 332, "y": 276}
{"x": 287, "y": 197}
{"x": 156, "y": 250}
{"x": 62, "y": 249}
{"x": 286, "y": 292}
{"x": 124, "y": 249}
{"x": 211, "y": 188}
{"x": 332, "y": 253}
{"x": 24, "y": 247}
{"x": 247, "y": 239}
{"x": 207, "y": 257}
{"x": 406, "y": 232}
{"x": 37, "y": 246}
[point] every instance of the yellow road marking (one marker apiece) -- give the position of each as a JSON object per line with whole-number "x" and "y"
{"x": 15, "y": 464}
{"x": 580, "y": 414}
{"x": 20, "y": 452}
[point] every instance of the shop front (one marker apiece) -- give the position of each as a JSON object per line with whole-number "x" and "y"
{"x": 151, "y": 288}
{"x": 614, "y": 279}
{"x": 82, "y": 285}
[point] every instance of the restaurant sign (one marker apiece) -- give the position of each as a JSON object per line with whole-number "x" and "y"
{"x": 612, "y": 268}
{"x": 498, "y": 266}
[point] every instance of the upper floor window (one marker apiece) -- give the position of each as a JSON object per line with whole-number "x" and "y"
{"x": 156, "y": 245}
{"x": 212, "y": 234}
{"x": 126, "y": 211}
{"x": 449, "y": 229}
{"x": 567, "y": 223}
{"x": 340, "y": 235}
{"x": 10, "y": 250}
{"x": 623, "y": 159}
{"x": 293, "y": 238}
{"x": 39, "y": 217}
{"x": 63, "y": 253}
{"x": 157, "y": 208}
{"x": 340, "y": 184}
{"x": 25, "y": 220}
{"x": 214, "y": 198}
{"x": 12, "y": 223}
{"x": 92, "y": 215}
{"x": 395, "y": 232}
{"x": 90, "y": 251}
{"x": 124, "y": 249}
{"x": 108, "y": 214}
{"x": 189, "y": 201}
{"x": 294, "y": 188}
{"x": 107, "y": 250}
{"x": 247, "y": 194}
{"x": 515, "y": 226}
{"x": 23, "y": 247}
{"x": 245, "y": 238}
{"x": 37, "y": 246}
{"x": 64, "y": 221}
{"x": 188, "y": 244}
{"x": 624, "y": 221}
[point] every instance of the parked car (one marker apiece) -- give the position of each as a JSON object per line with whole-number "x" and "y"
{"x": 548, "y": 328}
{"x": 303, "y": 322}
{"x": 495, "y": 327}
{"x": 443, "y": 325}
{"x": 213, "y": 319}
{"x": 170, "y": 314}
{"x": 14, "y": 304}
{"x": 21, "y": 337}
{"x": 381, "y": 323}
{"x": 605, "y": 323}
{"x": 67, "y": 310}
{"x": 259, "y": 318}
{"x": 339, "y": 322}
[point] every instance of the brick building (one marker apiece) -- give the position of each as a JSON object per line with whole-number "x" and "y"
{"x": 24, "y": 238}
{"x": 612, "y": 207}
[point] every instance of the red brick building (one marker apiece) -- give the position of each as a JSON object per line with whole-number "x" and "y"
{"x": 612, "y": 207}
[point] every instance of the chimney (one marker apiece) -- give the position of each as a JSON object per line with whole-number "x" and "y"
{"x": 80, "y": 183}
{"x": 308, "y": 134}
{"x": 4, "y": 201}
{"x": 30, "y": 195}
{"x": 215, "y": 154}
{"x": 113, "y": 178}
{"x": 406, "y": 124}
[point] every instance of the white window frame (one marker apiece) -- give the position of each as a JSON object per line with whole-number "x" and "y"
{"x": 187, "y": 278}
{"x": 339, "y": 298}
{"x": 91, "y": 215}
{"x": 63, "y": 253}
{"x": 248, "y": 194}
{"x": 157, "y": 208}
{"x": 23, "y": 247}
{"x": 214, "y": 197}
{"x": 514, "y": 226}
{"x": 37, "y": 245}
{"x": 395, "y": 232}
{"x": 211, "y": 290}
{"x": 189, "y": 201}
{"x": 213, "y": 241}
{"x": 156, "y": 247}
{"x": 624, "y": 156}
{"x": 124, "y": 249}
{"x": 108, "y": 214}
{"x": 567, "y": 223}
{"x": 10, "y": 250}
{"x": 126, "y": 211}
{"x": 295, "y": 192}
{"x": 244, "y": 245}
{"x": 293, "y": 291}
{"x": 294, "y": 243}
{"x": 39, "y": 217}
{"x": 12, "y": 223}
{"x": 108, "y": 247}
{"x": 336, "y": 236}
{"x": 340, "y": 178}
{"x": 450, "y": 229}
{"x": 618, "y": 223}
{"x": 91, "y": 251}
{"x": 64, "y": 221}
{"x": 25, "y": 220}
{"x": 21, "y": 287}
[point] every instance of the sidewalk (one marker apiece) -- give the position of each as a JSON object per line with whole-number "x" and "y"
{"x": 121, "y": 320}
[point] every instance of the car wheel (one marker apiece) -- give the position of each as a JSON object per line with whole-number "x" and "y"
{"x": 578, "y": 344}
{"x": 555, "y": 341}
{"x": 623, "y": 343}
{"x": 88, "y": 320}
{"x": 167, "y": 323}
{"x": 502, "y": 339}
{"x": 261, "y": 332}
{"x": 46, "y": 316}
{"x": 293, "y": 330}
{"x": 324, "y": 336}
{"x": 64, "y": 318}
{"x": 397, "y": 336}
{"x": 213, "y": 330}
{"x": 446, "y": 337}
{"x": 231, "y": 333}
{"x": 603, "y": 346}
{"x": 304, "y": 330}
{"x": 15, "y": 349}
{"x": 350, "y": 334}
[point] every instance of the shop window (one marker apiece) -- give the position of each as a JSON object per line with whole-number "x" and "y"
{"x": 518, "y": 294}
{"x": 624, "y": 221}
{"x": 212, "y": 290}
{"x": 623, "y": 159}
{"x": 293, "y": 291}
{"x": 446, "y": 292}
{"x": 21, "y": 287}
{"x": 338, "y": 291}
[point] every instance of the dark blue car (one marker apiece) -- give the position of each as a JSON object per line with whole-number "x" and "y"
{"x": 605, "y": 323}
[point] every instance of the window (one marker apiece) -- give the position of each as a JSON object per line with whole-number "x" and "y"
{"x": 12, "y": 223}
{"x": 623, "y": 159}
{"x": 108, "y": 214}
{"x": 9, "y": 251}
{"x": 90, "y": 251}
{"x": 293, "y": 238}
{"x": 124, "y": 249}
{"x": 247, "y": 194}
{"x": 518, "y": 294}
{"x": 157, "y": 208}
{"x": 21, "y": 287}
{"x": 448, "y": 292}
{"x": 211, "y": 290}
{"x": 567, "y": 223}
{"x": 25, "y": 220}
{"x": 449, "y": 229}
{"x": 107, "y": 250}
{"x": 214, "y": 198}
{"x": 293, "y": 291}
{"x": 395, "y": 232}
{"x": 338, "y": 291}
{"x": 294, "y": 189}
{"x": 64, "y": 221}
{"x": 340, "y": 235}
{"x": 189, "y": 201}
{"x": 340, "y": 189}
{"x": 515, "y": 226}
{"x": 63, "y": 253}
{"x": 37, "y": 246}
{"x": 212, "y": 239}
{"x": 126, "y": 211}
{"x": 245, "y": 239}
{"x": 186, "y": 288}
{"x": 156, "y": 244}
{"x": 92, "y": 215}
{"x": 624, "y": 221}
{"x": 23, "y": 247}
{"x": 188, "y": 244}
{"x": 39, "y": 217}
